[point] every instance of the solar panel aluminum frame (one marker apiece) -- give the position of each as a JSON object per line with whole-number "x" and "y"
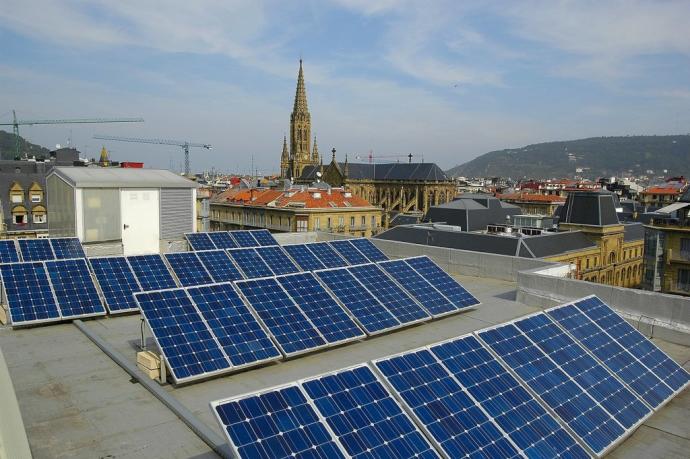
{"x": 239, "y": 268}
{"x": 232, "y": 262}
{"x": 296, "y": 384}
{"x": 363, "y": 335}
{"x": 100, "y": 289}
{"x": 357, "y": 251}
{"x": 191, "y": 246}
{"x": 15, "y": 244}
{"x": 463, "y": 308}
{"x": 50, "y": 241}
{"x": 573, "y": 303}
{"x": 284, "y": 252}
{"x": 309, "y": 244}
{"x": 404, "y": 324}
{"x": 286, "y": 355}
{"x": 164, "y": 360}
{"x": 309, "y": 251}
{"x": 31, "y": 322}
{"x": 456, "y": 310}
{"x": 21, "y": 252}
{"x": 167, "y": 267}
{"x": 174, "y": 274}
{"x": 610, "y": 447}
{"x": 95, "y": 283}
{"x": 357, "y": 321}
{"x": 409, "y": 409}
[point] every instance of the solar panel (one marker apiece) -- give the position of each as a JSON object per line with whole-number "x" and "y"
{"x": 448, "y": 413}
{"x": 364, "y": 417}
{"x": 304, "y": 257}
{"x": 585, "y": 370}
{"x": 508, "y": 403}
{"x": 244, "y": 239}
{"x": 366, "y": 309}
{"x": 74, "y": 289}
{"x": 432, "y": 300}
{"x": 222, "y": 240}
{"x": 349, "y": 252}
{"x": 29, "y": 296}
{"x": 442, "y": 281}
{"x": 151, "y": 272}
{"x": 277, "y": 260}
{"x": 237, "y": 330}
{"x": 277, "y": 423}
{"x": 67, "y": 247}
{"x": 554, "y": 387}
{"x": 35, "y": 249}
{"x": 612, "y": 354}
{"x": 219, "y": 265}
{"x": 635, "y": 342}
{"x": 199, "y": 241}
{"x": 264, "y": 237}
{"x": 117, "y": 282}
{"x": 368, "y": 249}
{"x": 8, "y": 251}
{"x": 188, "y": 268}
{"x": 326, "y": 255}
{"x": 250, "y": 263}
{"x": 181, "y": 334}
{"x": 394, "y": 298}
{"x": 287, "y": 323}
{"x": 324, "y": 312}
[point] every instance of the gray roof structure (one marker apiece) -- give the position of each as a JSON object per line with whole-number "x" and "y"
{"x": 472, "y": 212}
{"x": 113, "y": 177}
{"x": 420, "y": 172}
{"x": 589, "y": 208}
{"x": 633, "y": 232}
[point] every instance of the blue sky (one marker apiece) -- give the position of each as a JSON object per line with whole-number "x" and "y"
{"x": 444, "y": 80}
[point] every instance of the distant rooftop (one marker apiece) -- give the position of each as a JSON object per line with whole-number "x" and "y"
{"x": 105, "y": 177}
{"x": 427, "y": 172}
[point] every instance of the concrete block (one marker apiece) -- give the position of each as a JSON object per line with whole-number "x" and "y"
{"x": 4, "y": 317}
{"x": 149, "y": 363}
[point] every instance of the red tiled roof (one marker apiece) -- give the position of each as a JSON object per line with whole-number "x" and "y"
{"x": 531, "y": 197}
{"x": 663, "y": 190}
{"x": 311, "y": 199}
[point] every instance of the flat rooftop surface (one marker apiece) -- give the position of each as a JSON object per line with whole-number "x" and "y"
{"x": 76, "y": 402}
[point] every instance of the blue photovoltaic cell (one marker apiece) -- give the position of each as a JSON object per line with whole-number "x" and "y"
{"x": 585, "y": 370}
{"x": 8, "y": 251}
{"x": 188, "y": 268}
{"x": 304, "y": 257}
{"x": 326, "y": 255}
{"x": 67, "y": 247}
{"x": 369, "y": 250}
{"x": 365, "y": 417}
{"x": 508, "y": 403}
{"x": 282, "y": 317}
{"x": 222, "y": 240}
{"x": 250, "y": 263}
{"x": 556, "y": 389}
{"x": 621, "y": 362}
{"x": 181, "y": 334}
{"x": 29, "y": 297}
{"x": 323, "y": 311}
{"x": 277, "y": 260}
{"x": 635, "y": 342}
{"x": 151, "y": 272}
{"x": 264, "y": 237}
{"x": 349, "y": 252}
{"x": 279, "y": 424}
{"x": 395, "y": 299}
{"x": 442, "y": 281}
{"x": 117, "y": 282}
{"x": 219, "y": 265}
{"x": 368, "y": 311}
{"x": 237, "y": 330}
{"x": 74, "y": 288}
{"x": 443, "y": 407}
{"x": 35, "y": 249}
{"x": 418, "y": 287}
{"x": 200, "y": 241}
{"x": 244, "y": 239}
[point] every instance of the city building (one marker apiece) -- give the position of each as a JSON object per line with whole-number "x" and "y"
{"x": 203, "y": 208}
{"x": 657, "y": 196}
{"x": 137, "y": 210}
{"x": 472, "y": 212}
{"x": 297, "y": 209}
{"x": 533, "y": 203}
{"x": 667, "y": 249}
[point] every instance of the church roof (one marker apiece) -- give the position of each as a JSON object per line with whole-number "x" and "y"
{"x": 427, "y": 172}
{"x": 300, "y": 92}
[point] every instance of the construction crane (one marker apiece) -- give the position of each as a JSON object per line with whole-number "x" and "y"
{"x": 16, "y": 123}
{"x": 180, "y": 143}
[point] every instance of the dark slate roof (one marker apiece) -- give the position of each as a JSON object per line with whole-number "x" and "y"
{"x": 633, "y": 232}
{"x": 544, "y": 245}
{"x": 589, "y": 208}
{"x": 472, "y": 212}
{"x": 404, "y": 219}
{"x": 423, "y": 172}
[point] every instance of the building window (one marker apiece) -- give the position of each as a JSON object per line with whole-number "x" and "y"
{"x": 684, "y": 280}
{"x": 20, "y": 215}
{"x": 301, "y": 226}
{"x": 17, "y": 198}
{"x": 352, "y": 222}
{"x": 317, "y": 223}
{"x": 373, "y": 221}
{"x": 329, "y": 222}
{"x": 341, "y": 222}
{"x": 587, "y": 264}
{"x": 685, "y": 248}
{"x": 612, "y": 257}
{"x": 364, "y": 221}
{"x": 39, "y": 218}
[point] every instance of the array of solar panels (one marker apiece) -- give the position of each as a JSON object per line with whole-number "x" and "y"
{"x": 282, "y": 312}
{"x": 569, "y": 382}
{"x": 16, "y": 250}
{"x": 230, "y": 239}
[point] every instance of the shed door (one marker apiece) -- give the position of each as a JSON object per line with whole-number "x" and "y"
{"x": 140, "y": 231}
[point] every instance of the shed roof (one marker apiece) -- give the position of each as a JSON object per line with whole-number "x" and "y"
{"x": 112, "y": 177}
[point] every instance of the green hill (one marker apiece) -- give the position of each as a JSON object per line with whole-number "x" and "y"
{"x": 597, "y": 156}
{"x": 7, "y": 147}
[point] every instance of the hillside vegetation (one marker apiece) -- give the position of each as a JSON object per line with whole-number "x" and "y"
{"x": 7, "y": 147}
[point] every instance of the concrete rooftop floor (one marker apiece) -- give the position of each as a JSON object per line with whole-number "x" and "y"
{"x": 76, "y": 402}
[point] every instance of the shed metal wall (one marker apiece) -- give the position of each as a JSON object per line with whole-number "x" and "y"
{"x": 177, "y": 212}
{"x": 61, "y": 211}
